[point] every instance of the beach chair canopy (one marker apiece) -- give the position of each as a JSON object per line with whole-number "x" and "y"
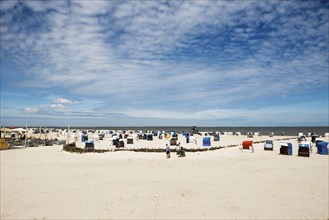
{"x": 269, "y": 142}
{"x": 285, "y": 144}
{"x": 304, "y": 144}
{"x": 185, "y": 133}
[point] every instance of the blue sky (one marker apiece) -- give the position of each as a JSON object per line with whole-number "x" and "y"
{"x": 164, "y": 63}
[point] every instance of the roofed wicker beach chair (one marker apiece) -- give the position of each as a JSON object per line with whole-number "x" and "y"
{"x": 248, "y": 145}
{"x": 285, "y": 148}
{"x": 268, "y": 145}
{"x": 304, "y": 149}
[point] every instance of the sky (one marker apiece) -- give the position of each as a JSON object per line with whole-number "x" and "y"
{"x": 164, "y": 63}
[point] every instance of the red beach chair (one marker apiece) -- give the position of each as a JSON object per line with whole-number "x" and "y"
{"x": 247, "y": 145}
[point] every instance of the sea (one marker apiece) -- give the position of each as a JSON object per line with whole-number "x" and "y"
{"x": 284, "y": 131}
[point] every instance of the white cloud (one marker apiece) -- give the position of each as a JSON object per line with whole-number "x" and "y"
{"x": 30, "y": 110}
{"x": 57, "y": 106}
{"x": 64, "y": 101}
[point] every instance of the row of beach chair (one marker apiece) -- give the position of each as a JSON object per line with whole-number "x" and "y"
{"x": 304, "y": 148}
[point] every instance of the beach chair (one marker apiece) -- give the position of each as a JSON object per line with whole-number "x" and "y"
{"x": 173, "y": 141}
{"x": 268, "y": 145}
{"x": 89, "y": 145}
{"x": 322, "y": 148}
{"x": 130, "y": 140}
{"x": 304, "y": 149}
{"x": 285, "y": 148}
{"x": 150, "y": 137}
{"x": 247, "y": 145}
{"x": 216, "y": 137}
{"x": 301, "y": 138}
{"x": 206, "y": 142}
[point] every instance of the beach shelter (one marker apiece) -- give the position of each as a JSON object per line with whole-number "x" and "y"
{"x": 285, "y": 148}
{"x": 130, "y": 140}
{"x": 206, "y": 142}
{"x": 217, "y": 137}
{"x": 318, "y": 140}
{"x": 84, "y": 137}
{"x": 304, "y": 149}
{"x": 89, "y": 145}
{"x": 301, "y": 138}
{"x": 149, "y": 137}
{"x": 120, "y": 143}
{"x": 268, "y": 145}
{"x": 173, "y": 141}
{"x": 322, "y": 148}
{"x": 247, "y": 145}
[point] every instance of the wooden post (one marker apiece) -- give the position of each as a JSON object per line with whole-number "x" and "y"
{"x": 68, "y": 134}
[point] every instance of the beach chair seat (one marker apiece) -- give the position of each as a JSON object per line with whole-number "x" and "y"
{"x": 130, "y": 140}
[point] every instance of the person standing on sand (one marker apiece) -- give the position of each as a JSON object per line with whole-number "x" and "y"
{"x": 178, "y": 149}
{"x": 167, "y": 151}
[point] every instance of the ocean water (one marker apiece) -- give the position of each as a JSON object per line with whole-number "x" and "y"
{"x": 285, "y": 131}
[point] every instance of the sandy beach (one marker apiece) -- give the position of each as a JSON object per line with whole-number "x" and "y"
{"x": 49, "y": 183}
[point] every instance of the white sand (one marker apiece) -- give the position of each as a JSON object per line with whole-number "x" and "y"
{"x": 48, "y": 183}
